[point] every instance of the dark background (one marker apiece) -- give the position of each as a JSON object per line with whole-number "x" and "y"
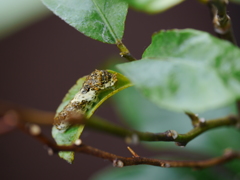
{"x": 40, "y": 63}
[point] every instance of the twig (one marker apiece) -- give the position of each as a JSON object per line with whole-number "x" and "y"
{"x": 27, "y": 114}
{"x": 196, "y": 121}
{"x": 119, "y": 161}
{"x": 132, "y": 136}
{"x": 221, "y": 21}
{"x": 170, "y": 135}
{"x": 133, "y": 152}
{"x": 124, "y": 51}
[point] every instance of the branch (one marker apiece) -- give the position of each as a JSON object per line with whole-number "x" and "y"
{"x": 170, "y": 135}
{"x": 119, "y": 161}
{"x": 27, "y": 114}
{"x": 131, "y": 136}
{"x": 221, "y": 21}
{"x": 124, "y": 51}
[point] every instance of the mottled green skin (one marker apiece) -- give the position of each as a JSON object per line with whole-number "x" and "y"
{"x": 73, "y": 132}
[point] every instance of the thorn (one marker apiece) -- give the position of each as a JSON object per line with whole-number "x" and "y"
{"x": 78, "y": 142}
{"x": 34, "y": 129}
{"x": 133, "y": 152}
{"x": 194, "y": 118}
{"x": 117, "y": 163}
{"x": 196, "y": 121}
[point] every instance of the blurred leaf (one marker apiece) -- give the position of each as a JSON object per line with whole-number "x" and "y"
{"x": 15, "y": 15}
{"x": 73, "y": 133}
{"x": 143, "y": 172}
{"x": 142, "y": 115}
{"x": 187, "y": 70}
{"x": 102, "y": 20}
{"x": 234, "y": 166}
{"x": 153, "y": 6}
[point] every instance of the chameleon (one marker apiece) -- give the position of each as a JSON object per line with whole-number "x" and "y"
{"x": 96, "y": 82}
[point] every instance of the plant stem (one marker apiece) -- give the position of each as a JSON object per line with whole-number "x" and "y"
{"x": 227, "y": 121}
{"x": 170, "y": 135}
{"x": 221, "y": 21}
{"x": 124, "y": 51}
{"x": 119, "y": 161}
{"x": 41, "y": 117}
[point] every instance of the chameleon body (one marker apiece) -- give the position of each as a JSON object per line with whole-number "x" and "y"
{"x": 96, "y": 82}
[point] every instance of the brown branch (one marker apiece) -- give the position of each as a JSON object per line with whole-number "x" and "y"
{"x": 27, "y": 114}
{"x": 34, "y": 130}
{"x": 131, "y": 136}
{"x": 120, "y": 161}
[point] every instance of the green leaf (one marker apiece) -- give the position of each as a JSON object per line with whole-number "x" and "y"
{"x": 144, "y": 172}
{"x": 74, "y": 132}
{"x": 102, "y": 20}
{"x": 142, "y": 115}
{"x": 187, "y": 70}
{"x": 153, "y": 6}
{"x": 16, "y": 15}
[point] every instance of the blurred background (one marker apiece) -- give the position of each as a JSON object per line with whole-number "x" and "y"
{"x": 41, "y": 57}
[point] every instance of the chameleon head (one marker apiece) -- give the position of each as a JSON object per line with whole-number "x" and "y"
{"x": 99, "y": 80}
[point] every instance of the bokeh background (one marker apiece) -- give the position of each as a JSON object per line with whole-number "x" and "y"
{"x": 41, "y": 57}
